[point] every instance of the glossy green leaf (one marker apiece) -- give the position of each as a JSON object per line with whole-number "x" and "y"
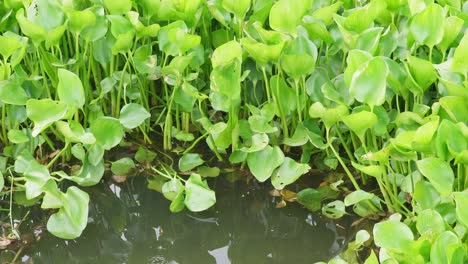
{"x": 430, "y": 221}
{"x": 422, "y": 72}
{"x": 439, "y": 173}
{"x": 427, "y": 26}
{"x": 189, "y": 161}
{"x": 460, "y": 57}
{"x": 288, "y": 173}
{"x": 444, "y": 247}
{"x": 262, "y": 163}
{"x": 461, "y": 200}
{"x": 369, "y": 82}
{"x": 12, "y": 93}
{"x": 334, "y": 210}
{"x": 238, "y": 8}
{"x": 36, "y": 32}
{"x": 178, "y": 203}
{"x": 17, "y": 136}
{"x": 360, "y": 122}
{"x": 285, "y": 15}
{"x": 426, "y": 195}
{"x": 455, "y": 107}
{"x": 393, "y": 236}
{"x": 199, "y": 196}
{"x": 172, "y": 188}
{"x": 133, "y": 115}
{"x": 9, "y": 45}
{"x": 36, "y": 176}
{"x": 357, "y": 196}
{"x": 108, "y": 131}
{"x": 44, "y": 112}
{"x": 259, "y": 142}
{"x": 123, "y": 167}
{"x": 70, "y": 221}
{"x": 453, "y": 26}
{"x": 74, "y": 132}
{"x": 79, "y": 20}
{"x": 70, "y": 89}
{"x": 117, "y": 7}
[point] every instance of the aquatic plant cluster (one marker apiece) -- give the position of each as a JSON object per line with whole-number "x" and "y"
{"x": 375, "y": 88}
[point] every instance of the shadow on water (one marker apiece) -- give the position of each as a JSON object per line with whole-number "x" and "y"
{"x": 131, "y": 224}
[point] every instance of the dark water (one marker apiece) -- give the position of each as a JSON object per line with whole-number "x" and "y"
{"x": 130, "y": 224}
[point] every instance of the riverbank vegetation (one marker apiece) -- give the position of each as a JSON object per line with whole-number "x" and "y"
{"x": 375, "y": 89}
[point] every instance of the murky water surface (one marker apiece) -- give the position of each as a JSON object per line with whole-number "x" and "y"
{"x": 132, "y": 224}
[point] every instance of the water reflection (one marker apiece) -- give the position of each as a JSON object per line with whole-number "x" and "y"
{"x": 130, "y": 224}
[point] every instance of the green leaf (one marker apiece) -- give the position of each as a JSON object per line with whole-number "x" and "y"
{"x": 79, "y": 20}
{"x": 430, "y": 221}
{"x": 226, "y": 53}
{"x": 439, "y": 173}
{"x": 9, "y": 45}
{"x": 133, "y": 115}
{"x": 238, "y": 8}
{"x": 178, "y": 204}
{"x": 108, "y": 131}
{"x": 372, "y": 170}
{"x": 259, "y": 142}
{"x": 422, "y": 73}
{"x": 12, "y": 93}
{"x": 445, "y": 246}
{"x": 368, "y": 40}
{"x": 36, "y": 176}
{"x": 288, "y": 173}
{"x": 144, "y": 155}
{"x": 2, "y": 181}
{"x": 426, "y": 195}
{"x": 172, "y": 188}
{"x": 334, "y": 210}
{"x": 357, "y": 196}
{"x": 455, "y": 107}
{"x": 393, "y": 236}
{"x": 70, "y": 221}
{"x": 43, "y": 113}
{"x": 427, "y": 27}
{"x": 286, "y": 15}
{"x": 369, "y": 82}
{"x": 74, "y": 132}
{"x": 189, "y": 161}
{"x": 310, "y": 198}
{"x": 117, "y": 7}
{"x": 70, "y": 90}
{"x": 123, "y": 43}
{"x": 360, "y": 122}
{"x": 16, "y": 136}
{"x": 453, "y": 26}
{"x": 198, "y": 196}
{"x": 461, "y": 200}
{"x": 355, "y": 59}
{"x": 36, "y": 32}
{"x": 90, "y": 173}
{"x": 123, "y": 167}
{"x": 460, "y": 57}
{"x": 262, "y": 163}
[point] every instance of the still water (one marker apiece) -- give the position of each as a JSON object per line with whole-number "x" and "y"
{"x": 129, "y": 223}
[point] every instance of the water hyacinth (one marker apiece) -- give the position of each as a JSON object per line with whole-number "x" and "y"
{"x": 376, "y": 90}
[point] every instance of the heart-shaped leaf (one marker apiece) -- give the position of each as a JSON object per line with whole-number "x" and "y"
{"x": 43, "y": 113}
{"x": 70, "y": 221}
{"x": 439, "y": 173}
{"x": 262, "y": 163}
{"x": 288, "y": 173}
{"x": 198, "y": 196}
{"x": 133, "y": 115}
{"x": 108, "y": 131}
{"x": 369, "y": 82}
{"x": 189, "y": 161}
